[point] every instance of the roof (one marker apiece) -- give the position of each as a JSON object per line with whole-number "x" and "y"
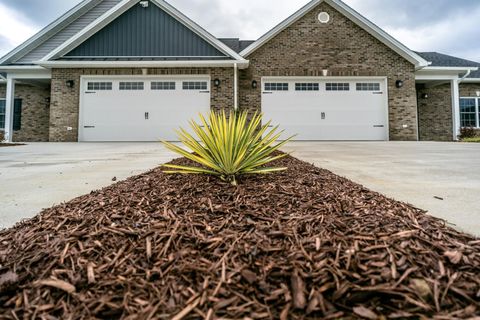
{"x": 355, "y": 17}
{"x": 236, "y": 44}
{"x": 444, "y": 60}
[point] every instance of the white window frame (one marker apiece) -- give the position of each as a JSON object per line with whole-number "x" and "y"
{"x": 477, "y": 110}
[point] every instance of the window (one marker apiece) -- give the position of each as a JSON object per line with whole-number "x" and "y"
{"x": 98, "y": 86}
{"x": 338, "y": 87}
{"x": 469, "y": 112}
{"x": 131, "y": 85}
{"x": 307, "y": 87}
{"x": 2, "y": 114}
{"x": 273, "y": 86}
{"x": 368, "y": 86}
{"x": 195, "y": 85}
{"x": 163, "y": 86}
{"x": 17, "y": 114}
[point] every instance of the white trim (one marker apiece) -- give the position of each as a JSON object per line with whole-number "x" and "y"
{"x": 122, "y": 7}
{"x": 459, "y": 69}
{"x": 9, "y": 105}
{"x": 30, "y": 42}
{"x": 471, "y": 80}
{"x": 371, "y": 28}
{"x": 435, "y": 77}
{"x": 456, "y": 109}
{"x": 143, "y": 64}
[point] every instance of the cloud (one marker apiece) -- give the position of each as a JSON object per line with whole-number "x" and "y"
{"x": 425, "y": 25}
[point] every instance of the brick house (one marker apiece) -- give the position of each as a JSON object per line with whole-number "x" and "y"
{"x": 131, "y": 70}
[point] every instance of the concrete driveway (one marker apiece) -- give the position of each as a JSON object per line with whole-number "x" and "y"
{"x": 40, "y": 175}
{"x": 412, "y": 172}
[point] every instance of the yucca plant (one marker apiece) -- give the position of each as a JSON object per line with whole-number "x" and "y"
{"x": 228, "y": 147}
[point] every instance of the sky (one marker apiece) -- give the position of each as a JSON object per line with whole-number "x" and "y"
{"x": 446, "y": 26}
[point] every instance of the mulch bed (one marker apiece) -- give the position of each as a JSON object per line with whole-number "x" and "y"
{"x": 10, "y": 145}
{"x": 301, "y": 244}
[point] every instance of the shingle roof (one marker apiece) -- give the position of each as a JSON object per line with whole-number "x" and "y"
{"x": 236, "y": 44}
{"x": 443, "y": 60}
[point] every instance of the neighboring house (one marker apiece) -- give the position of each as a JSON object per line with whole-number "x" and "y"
{"x": 130, "y": 70}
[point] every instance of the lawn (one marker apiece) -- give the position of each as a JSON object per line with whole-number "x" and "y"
{"x": 298, "y": 244}
{"x": 475, "y": 140}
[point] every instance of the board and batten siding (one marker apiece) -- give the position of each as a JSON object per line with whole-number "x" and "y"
{"x": 145, "y": 32}
{"x": 69, "y": 31}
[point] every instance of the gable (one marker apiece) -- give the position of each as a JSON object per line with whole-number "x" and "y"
{"x": 60, "y": 31}
{"x": 348, "y": 13}
{"x": 145, "y": 32}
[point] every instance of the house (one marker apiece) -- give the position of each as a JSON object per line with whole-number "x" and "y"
{"x": 130, "y": 70}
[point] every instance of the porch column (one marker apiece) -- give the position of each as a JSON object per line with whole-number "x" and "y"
{"x": 9, "y": 103}
{"x": 456, "y": 109}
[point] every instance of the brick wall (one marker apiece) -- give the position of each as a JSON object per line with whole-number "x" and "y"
{"x": 64, "y": 109}
{"x": 35, "y": 112}
{"x": 307, "y": 47}
{"x": 469, "y": 89}
{"x": 435, "y": 113}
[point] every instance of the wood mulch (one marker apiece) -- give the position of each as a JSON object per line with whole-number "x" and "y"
{"x": 300, "y": 244}
{"x": 3, "y": 145}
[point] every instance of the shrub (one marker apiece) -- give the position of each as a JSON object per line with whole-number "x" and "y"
{"x": 468, "y": 132}
{"x": 2, "y": 136}
{"x": 228, "y": 147}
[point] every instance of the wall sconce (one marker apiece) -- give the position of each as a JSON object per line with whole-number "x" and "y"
{"x": 325, "y": 72}
{"x": 47, "y": 100}
{"x": 217, "y": 82}
{"x": 424, "y": 95}
{"x": 254, "y": 84}
{"x": 70, "y": 83}
{"x": 478, "y": 93}
{"x": 399, "y": 84}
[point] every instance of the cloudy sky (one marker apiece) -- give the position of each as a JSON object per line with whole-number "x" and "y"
{"x": 448, "y": 26}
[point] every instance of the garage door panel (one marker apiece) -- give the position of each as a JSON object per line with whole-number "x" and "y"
{"x": 327, "y": 115}
{"x": 149, "y": 114}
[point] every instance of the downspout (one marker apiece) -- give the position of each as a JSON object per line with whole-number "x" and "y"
{"x": 465, "y": 76}
{"x": 235, "y": 86}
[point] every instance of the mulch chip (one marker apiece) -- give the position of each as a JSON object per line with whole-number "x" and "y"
{"x": 300, "y": 244}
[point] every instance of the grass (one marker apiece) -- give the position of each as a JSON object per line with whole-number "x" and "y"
{"x": 472, "y": 140}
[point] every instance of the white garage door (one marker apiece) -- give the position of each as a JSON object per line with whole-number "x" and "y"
{"x": 327, "y": 109}
{"x": 140, "y": 109}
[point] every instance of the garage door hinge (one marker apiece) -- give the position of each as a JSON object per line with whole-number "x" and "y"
{"x": 89, "y": 127}
{"x": 267, "y": 92}
{"x": 89, "y": 92}
{"x": 204, "y": 91}
{"x": 379, "y": 126}
{"x": 377, "y": 92}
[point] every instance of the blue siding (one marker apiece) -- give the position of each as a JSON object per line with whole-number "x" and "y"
{"x": 145, "y": 32}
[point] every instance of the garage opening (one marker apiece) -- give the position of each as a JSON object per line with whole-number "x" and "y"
{"x": 328, "y": 108}
{"x": 140, "y": 109}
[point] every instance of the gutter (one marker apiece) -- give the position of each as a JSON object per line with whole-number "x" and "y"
{"x": 465, "y": 76}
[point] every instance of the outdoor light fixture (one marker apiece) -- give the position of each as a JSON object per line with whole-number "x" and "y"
{"x": 424, "y": 95}
{"x": 478, "y": 93}
{"x": 254, "y": 84}
{"x": 217, "y": 82}
{"x": 70, "y": 83}
{"x": 399, "y": 84}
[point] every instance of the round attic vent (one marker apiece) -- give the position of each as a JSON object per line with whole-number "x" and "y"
{"x": 323, "y": 17}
